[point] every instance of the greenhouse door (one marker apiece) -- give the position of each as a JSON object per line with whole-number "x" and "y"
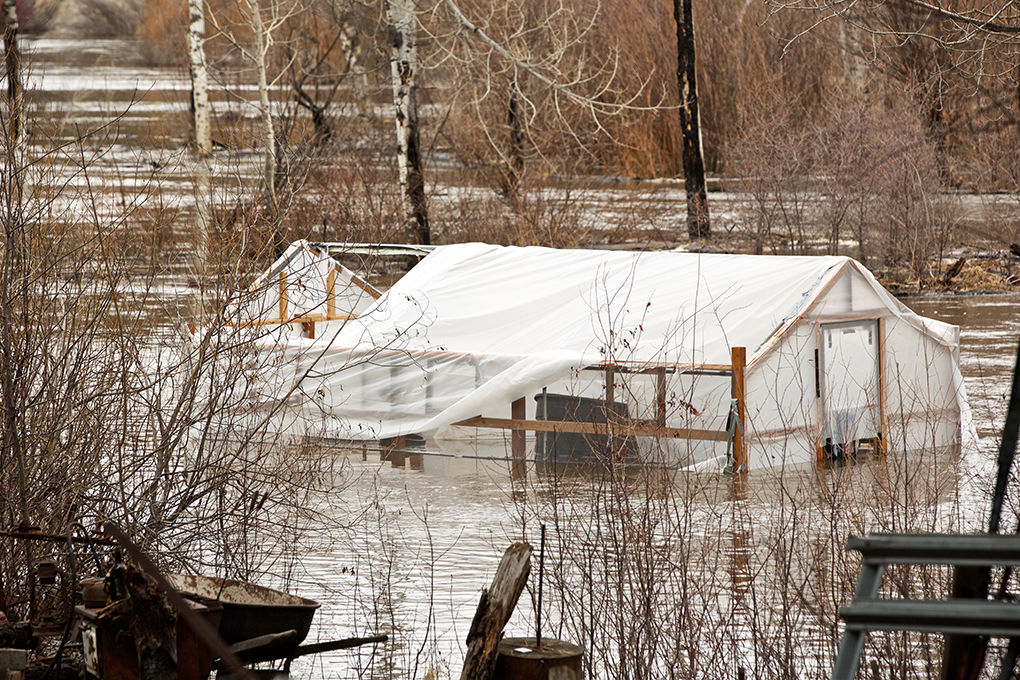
{"x": 849, "y": 384}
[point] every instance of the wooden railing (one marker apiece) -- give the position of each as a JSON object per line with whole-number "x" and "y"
{"x": 518, "y": 423}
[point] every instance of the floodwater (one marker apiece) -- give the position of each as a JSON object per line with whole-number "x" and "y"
{"x": 415, "y": 540}
{"x": 447, "y": 518}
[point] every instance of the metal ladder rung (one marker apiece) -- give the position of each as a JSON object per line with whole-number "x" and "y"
{"x": 976, "y": 550}
{"x": 963, "y": 617}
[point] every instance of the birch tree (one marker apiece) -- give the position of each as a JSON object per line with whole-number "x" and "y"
{"x": 202, "y": 127}
{"x": 261, "y": 24}
{"x": 199, "y": 79}
{"x": 404, "y": 73}
{"x": 257, "y": 55}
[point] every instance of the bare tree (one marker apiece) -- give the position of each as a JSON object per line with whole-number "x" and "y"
{"x": 958, "y": 59}
{"x": 690, "y": 124}
{"x": 199, "y": 78}
{"x": 261, "y": 30}
{"x": 404, "y": 73}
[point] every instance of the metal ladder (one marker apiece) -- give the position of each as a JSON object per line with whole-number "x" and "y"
{"x": 954, "y": 616}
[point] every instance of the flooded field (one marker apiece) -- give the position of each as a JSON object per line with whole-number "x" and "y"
{"x": 648, "y": 571}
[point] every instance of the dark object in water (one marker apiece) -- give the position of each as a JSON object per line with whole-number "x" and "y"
{"x": 563, "y": 447}
{"x": 249, "y": 611}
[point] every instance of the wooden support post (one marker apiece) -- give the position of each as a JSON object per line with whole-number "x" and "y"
{"x": 738, "y": 359}
{"x": 884, "y": 434}
{"x": 610, "y": 388}
{"x": 398, "y": 457}
{"x": 517, "y": 437}
{"x": 660, "y": 396}
{"x": 283, "y": 297}
{"x": 331, "y": 294}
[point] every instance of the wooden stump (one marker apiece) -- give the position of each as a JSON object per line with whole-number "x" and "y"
{"x": 495, "y": 606}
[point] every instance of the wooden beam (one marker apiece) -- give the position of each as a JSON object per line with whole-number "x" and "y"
{"x": 653, "y": 367}
{"x": 517, "y": 437}
{"x": 637, "y": 428}
{"x": 372, "y": 291}
{"x": 300, "y": 318}
{"x": 738, "y": 355}
{"x": 283, "y": 295}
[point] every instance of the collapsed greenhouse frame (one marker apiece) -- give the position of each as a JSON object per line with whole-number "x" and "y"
{"x": 770, "y": 411}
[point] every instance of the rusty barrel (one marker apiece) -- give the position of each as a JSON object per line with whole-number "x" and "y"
{"x": 521, "y": 659}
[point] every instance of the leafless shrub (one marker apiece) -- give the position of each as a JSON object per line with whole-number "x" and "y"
{"x": 113, "y": 411}
{"x": 865, "y": 172}
{"x": 108, "y": 18}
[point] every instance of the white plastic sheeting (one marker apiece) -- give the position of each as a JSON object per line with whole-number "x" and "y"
{"x": 473, "y": 327}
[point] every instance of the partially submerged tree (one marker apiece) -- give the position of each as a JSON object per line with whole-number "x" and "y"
{"x": 690, "y": 123}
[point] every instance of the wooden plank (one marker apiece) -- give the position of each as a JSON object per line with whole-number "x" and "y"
{"x": 301, "y": 318}
{"x": 652, "y": 367}
{"x": 366, "y": 286}
{"x": 331, "y": 294}
{"x": 738, "y": 355}
{"x": 970, "y": 550}
{"x": 638, "y": 428}
{"x": 495, "y": 606}
{"x": 517, "y": 436}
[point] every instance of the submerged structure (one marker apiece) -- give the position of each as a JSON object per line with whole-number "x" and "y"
{"x": 692, "y": 359}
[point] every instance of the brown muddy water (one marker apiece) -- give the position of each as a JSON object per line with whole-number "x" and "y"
{"x": 440, "y": 522}
{"x": 411, "y": 545}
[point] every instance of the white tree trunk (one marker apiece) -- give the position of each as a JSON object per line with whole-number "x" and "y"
{"x": 404, "y": 66}
{"x": 199, "y": 78}
{"x": 203, "y": 136}
{"x": 268, "y": 136}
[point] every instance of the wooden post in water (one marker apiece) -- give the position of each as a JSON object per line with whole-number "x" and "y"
{"x": 738, "y": 359}
{"x": 518, "y": 441}
{"x": 494, "y": 610}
